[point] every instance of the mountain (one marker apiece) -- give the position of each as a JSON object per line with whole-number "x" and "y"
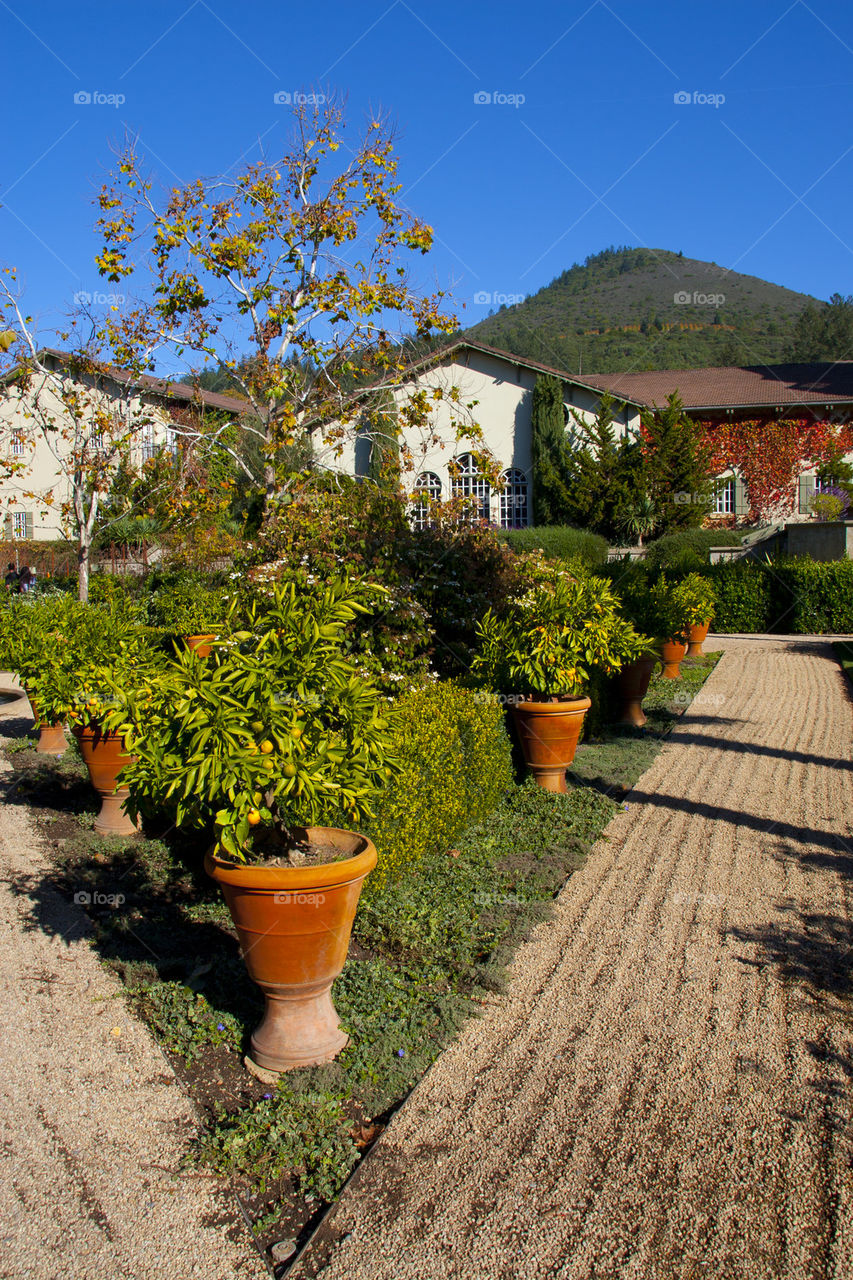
{"x": 648, "y": 309}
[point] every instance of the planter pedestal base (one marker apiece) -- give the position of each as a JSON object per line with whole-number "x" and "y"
{"x": 105, "y": 757}
{"x": 671, "y": 652}
{"x": 696, "y": 637}
{"x": 300, "y": 1028}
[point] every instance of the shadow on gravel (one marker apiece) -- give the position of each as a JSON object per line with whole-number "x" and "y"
{"x": 717, "y": 813}
{"x": 806, "y": 947}
{"x": 754, "y": 749}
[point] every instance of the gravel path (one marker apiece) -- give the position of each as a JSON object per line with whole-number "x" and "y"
{"x": 93, "y": 1122}
{"x": 666, "y": 1089}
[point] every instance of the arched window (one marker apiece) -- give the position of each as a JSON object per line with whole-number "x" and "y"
{"x": 467, "y": 481}
{"x": 512, "y": 501}
{"x": 427, "y": 490}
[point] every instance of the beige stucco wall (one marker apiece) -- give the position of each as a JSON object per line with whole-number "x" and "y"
{"x": 40, "y": 487}
{"x": 503, "y": 392}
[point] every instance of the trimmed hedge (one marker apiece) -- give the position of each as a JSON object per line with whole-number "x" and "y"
{"x": 457, "y": 767}
{"x": 743, "y": 596}
{"x": 558, "y": 542}
{"x": 688, "y": 549}
{"x": 791, "y": 596}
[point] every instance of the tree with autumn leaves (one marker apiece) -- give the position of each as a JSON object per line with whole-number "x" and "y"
{"x": 299, "y": 261}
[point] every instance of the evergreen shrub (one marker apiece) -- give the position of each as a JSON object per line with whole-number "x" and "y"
{"x": 456, "y": 766}
{"x": 689, "y": 549}
{"x": 559, "y": 542}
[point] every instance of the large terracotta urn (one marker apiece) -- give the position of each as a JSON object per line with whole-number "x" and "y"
{"x": 105, "y": 757}
{"x": 671, "y": 652}
{"x": 294, "y": 926}
{"x": 548, "y": 733}
{"x": 633, "y": 684}
{"x": 696, "y": 637}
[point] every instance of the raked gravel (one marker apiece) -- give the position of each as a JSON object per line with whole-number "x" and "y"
{"x": 93, "y": 1122}
{"x": 665, "y": 1089}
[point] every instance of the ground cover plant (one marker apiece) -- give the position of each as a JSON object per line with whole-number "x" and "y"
{"x": 430, "y": 945}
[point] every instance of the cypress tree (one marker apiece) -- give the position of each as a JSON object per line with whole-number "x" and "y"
{"x": 549, "y": 450}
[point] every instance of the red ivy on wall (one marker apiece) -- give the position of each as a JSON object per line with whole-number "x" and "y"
{"x": 770, "y": 456}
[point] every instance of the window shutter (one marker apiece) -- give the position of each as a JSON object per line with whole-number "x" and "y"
{"x": 741, "y": 498}
{"x": 7, "y": 528}
{"x": 806, "y": 495}
{"x": 30, "y": 526}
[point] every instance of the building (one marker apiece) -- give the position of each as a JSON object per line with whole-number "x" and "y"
{"x": 500, "y": 385}
{"x": 35, "y": 487}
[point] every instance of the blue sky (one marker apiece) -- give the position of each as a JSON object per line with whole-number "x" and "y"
{"x": 529, "y": 135}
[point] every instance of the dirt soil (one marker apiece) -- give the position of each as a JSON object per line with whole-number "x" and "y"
{"x": 93, "y": 1122}
{"x": 665, "y": 1091}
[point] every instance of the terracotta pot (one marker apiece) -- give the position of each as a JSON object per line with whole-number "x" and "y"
{"x": 294, "y": 926}
{"x": 201, "y": 644}
{"x": 696, "y": 637}
{"x": 633, "y": 683}
{"x": 52, "y": 740}
{"x": 105, "y": 757}
{"x": 671, "y": 652}
{"x": 548, "y": 733}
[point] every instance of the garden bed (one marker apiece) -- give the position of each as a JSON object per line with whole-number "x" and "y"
{"x": 429, "y": 948}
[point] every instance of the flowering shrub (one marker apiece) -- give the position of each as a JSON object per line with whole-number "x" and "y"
{"x": 337, "y": 527}
{"x": 548, "y": 641}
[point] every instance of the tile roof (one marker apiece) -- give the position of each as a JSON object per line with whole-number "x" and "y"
{"x": 168, "y": 390}
{"x": 779, "y": 385}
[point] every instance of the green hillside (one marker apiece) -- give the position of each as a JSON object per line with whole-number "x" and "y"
{"x": 619, "y": 311}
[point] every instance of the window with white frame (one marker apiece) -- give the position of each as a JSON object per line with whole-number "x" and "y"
{"x": 18, "y": 445}
{"x": 467, "y": 481}
{"x": 512, "y": 500}
{"x": 149, "y": 445}
{"x": 96, "y": 442}
{"x": 822, "y": 484}
{"x": 19, "y": 524}
{"x": 172, "y": 442}
{"x": 427, "y": 490}
{"x": 724, "y": 498}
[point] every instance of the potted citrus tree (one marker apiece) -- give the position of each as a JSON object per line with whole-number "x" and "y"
{"x": 678, "y": 607}
{"x": 541, "y": 651}
{"x": 191, "y": 608}
{"x": 261, "y": 745}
